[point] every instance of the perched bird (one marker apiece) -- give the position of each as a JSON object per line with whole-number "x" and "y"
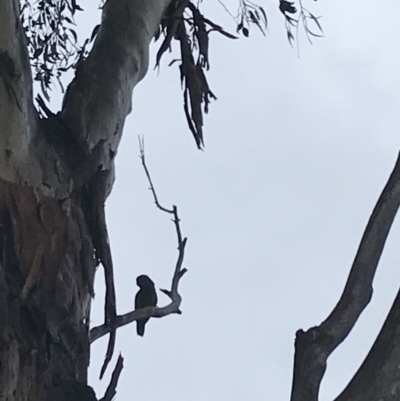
{"x": 146, "y": 296}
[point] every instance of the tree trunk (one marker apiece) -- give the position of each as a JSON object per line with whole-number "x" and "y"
{"x": 55, "y": 174}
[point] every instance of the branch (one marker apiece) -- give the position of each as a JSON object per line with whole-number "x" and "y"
{"x": 112, "y": 387}
{"x": 110, "y": 308}
{"x": 142, "y": 158}
{"x": 151, "y": 311}
{"x": 313, "y": 347}
{"x": 173, "y": 293}
{"x": 379, "y": 374}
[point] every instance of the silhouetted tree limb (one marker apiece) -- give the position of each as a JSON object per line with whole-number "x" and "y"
{"x": 112, "y": 387}
{"x": 379, "y": 374}
{"x": 313, "y": 347}
{"x": 122, "y": 320}
{"x": 172, "y": 293}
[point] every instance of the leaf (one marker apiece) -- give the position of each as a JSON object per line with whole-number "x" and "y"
{"x": 315, "y": 34}
{"x": 221, "y": 30}
{"x": 173, "y": 61}
{"x": 253, "y": 17}
{"x": 171, "y": 27}
{"x": 38, "y": 52}
{"x": 265, "y": 16}
{"x": 315, "y": 19}
{"x": 256, "y": 21}
{"x": 94, "y": 33}
{"x": 74, "y": 35}
{"x": 290, "y": 37}
{"x": 292, "y": 21}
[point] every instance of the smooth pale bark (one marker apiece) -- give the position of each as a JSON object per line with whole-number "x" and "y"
{"x": 55, "y": 175}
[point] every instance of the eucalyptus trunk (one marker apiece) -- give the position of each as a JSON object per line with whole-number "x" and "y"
{"x": 56, "y": 170}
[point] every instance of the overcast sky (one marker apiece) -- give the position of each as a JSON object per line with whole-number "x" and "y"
{"x": 297, "y": 151}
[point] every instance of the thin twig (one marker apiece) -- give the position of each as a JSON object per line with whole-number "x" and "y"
{"x": 142, "y": 157}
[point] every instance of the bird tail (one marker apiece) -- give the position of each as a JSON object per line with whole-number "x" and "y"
{"x": 140, "y": 327}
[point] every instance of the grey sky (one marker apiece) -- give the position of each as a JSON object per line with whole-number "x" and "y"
{"x": 297, "y": 152}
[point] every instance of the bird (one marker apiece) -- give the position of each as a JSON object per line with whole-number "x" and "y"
{"x": 146, "y": 296}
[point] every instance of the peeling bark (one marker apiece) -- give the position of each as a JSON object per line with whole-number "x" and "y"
{"x": 55, "y": 174}
{"x": 47, "y": 275}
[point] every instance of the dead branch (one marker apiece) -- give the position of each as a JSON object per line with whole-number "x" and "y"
{"x": 313, "y": 347}
{"x": 179, "y": 271}
{"x": 151, "y": 311}
{"x": 112, "y": 387}
{"x": 110, "y": 308}
{"x": 142, "y": 158}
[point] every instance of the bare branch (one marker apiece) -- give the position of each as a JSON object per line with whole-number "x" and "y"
{"x": 142, "y": 157}
{"x": 103, "y": 252}
{"x": 314, "y": 346}
{"x": 151, "y": 311}
{"x": 112, "y": 387}
{"x": 173, "y": 293}
{"x": 110, "y": 347}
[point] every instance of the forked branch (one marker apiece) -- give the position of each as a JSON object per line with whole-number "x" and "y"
{"x": 172, "y": 293}
{"x": 313, "y": 347}
{"x": 112, "y": 387}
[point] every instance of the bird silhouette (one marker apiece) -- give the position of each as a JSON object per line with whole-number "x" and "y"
{"x": 146, "y": 296}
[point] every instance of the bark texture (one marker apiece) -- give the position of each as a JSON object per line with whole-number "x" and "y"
{"x": 55, "y": 174}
